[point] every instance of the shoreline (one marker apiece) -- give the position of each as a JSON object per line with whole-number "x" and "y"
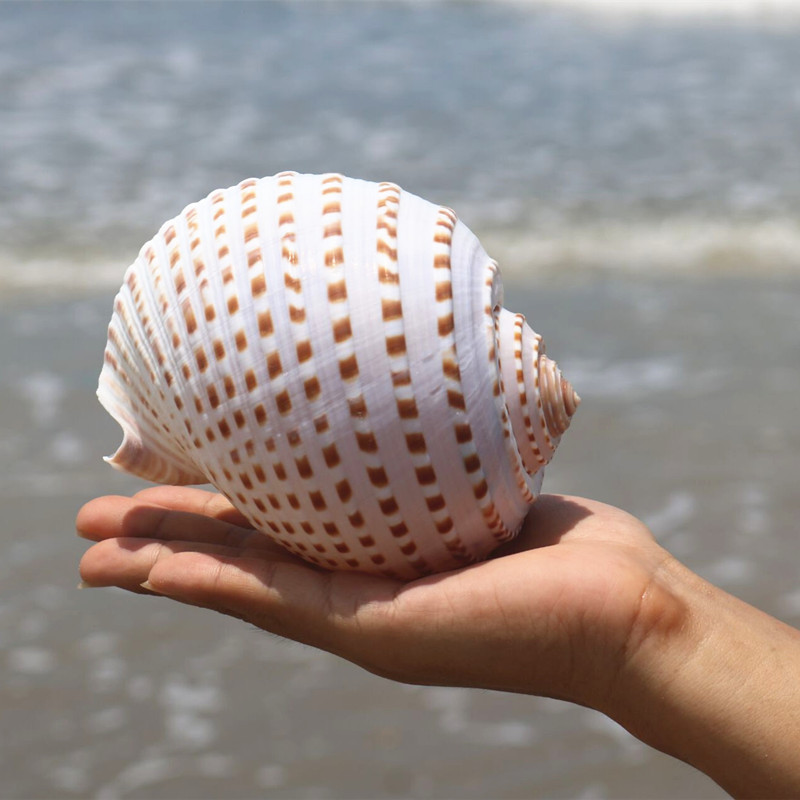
{"x": 516, "y": 267}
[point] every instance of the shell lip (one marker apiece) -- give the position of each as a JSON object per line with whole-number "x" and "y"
{"x": 131, "y": 449}
{"x": 137, "y": 455}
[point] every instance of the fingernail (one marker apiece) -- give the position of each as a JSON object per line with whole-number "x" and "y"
{"x": 149, "y": 586}
{"x": 87, "y": 585}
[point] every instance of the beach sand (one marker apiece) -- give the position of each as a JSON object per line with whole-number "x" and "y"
{"x": 689, "y": 420}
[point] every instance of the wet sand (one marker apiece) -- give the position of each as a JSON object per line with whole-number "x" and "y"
{"x": 689, "y": 420}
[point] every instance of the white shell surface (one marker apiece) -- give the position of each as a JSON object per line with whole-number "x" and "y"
{"x": 332, "y": 354}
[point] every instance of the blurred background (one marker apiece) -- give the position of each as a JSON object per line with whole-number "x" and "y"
{"x": 635, "y": 169}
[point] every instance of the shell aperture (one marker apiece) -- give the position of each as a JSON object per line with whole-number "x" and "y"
{"x": 333, "y": 355}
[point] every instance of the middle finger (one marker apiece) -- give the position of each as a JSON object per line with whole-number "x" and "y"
{"x": 126, "y": 562}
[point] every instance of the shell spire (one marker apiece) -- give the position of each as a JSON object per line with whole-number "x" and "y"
{"x": 539, "y": 400}
{"x": 559, "y": 399}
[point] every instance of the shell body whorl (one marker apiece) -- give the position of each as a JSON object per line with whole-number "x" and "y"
{"x": 333, "y": 355}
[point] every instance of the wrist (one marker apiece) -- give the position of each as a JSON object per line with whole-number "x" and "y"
{"x": 714, "y": 683}
{"x": 657, "y": 665}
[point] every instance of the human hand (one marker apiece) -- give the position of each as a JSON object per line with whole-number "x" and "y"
{"x": 583, "y": 605}
{"x": 555, "y": 612}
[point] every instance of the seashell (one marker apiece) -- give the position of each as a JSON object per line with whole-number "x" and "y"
{"x": 333, "y": 356}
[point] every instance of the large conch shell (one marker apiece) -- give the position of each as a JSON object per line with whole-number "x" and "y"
{"x": 332, "y": 355}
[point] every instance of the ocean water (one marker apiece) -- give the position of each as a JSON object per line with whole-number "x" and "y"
{"x": 637, "y": 175}
{"x": 688, "y": 421}
{"x": 566, "y": 140}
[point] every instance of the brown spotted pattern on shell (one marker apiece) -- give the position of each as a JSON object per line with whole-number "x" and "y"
{"x": 333, "y": 356}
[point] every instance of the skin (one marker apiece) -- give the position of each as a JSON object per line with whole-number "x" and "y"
{"x": 583, "y": 605}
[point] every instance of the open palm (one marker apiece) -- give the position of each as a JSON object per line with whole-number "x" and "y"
{"x": 572, "y": 592}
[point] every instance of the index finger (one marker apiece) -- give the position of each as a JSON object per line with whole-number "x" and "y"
{"x": 113, "y": 517}
{"x": 195, "y": 501}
